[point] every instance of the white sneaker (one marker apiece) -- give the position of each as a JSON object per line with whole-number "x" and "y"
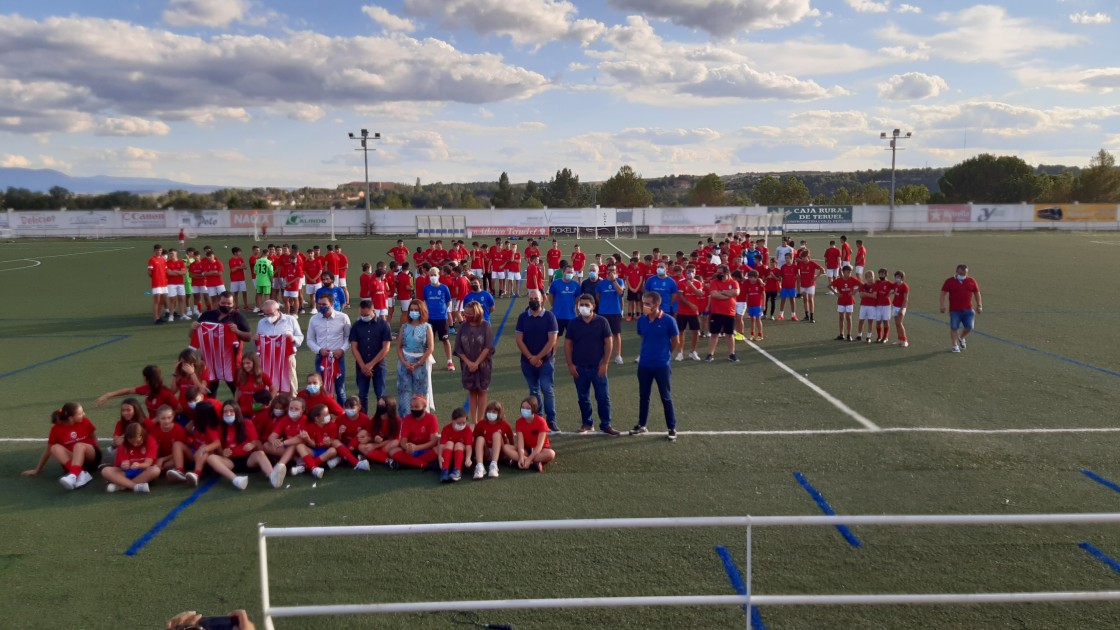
{"x": 679, "y": 357}
{"x": 175, "y": 475}
{"x": 493, "y": 472}
{"x": 618, "y": 361}
{"x": 964, "y": 343}
{"x": 363, "y": 465}
{"x": 904, "y": 344}
{"x": 170, "y": 318}
{"x": 111, "y": 488}
{"x": 141, "y": 488}
{"x": 692, "y": 355}
{"x": 956, "y": 349}
{"x": 185, "y": 316}
{"x": 241, "y": 482}
{"x": 317, "y": 472}
{"x": 68, "y": 481}
{"x": 479, "y": 471}
{"x": 192, "y": 478}
{"x": 279, "y": 471}
{"x": 297, "y": 470}
{"x": 83, "y": 479}
{"x": 333, "y": 462}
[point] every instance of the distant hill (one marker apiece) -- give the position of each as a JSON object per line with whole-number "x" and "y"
{"x": 42, "y": 180}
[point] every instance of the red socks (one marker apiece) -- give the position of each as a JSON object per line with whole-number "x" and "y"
{"x": 457, "y": 458}
{"x": 379, "y": 456}
{"x": 74, "y": 469}
{"x": 347, "y": 455}
{"x": 311, "y": 461}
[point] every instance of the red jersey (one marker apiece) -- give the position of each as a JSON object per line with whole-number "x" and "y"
{"x": 845, "y": 252}
{"x": 724, "y": 307}
{"x": 202, "y": 437}
{"x": 514, "y": 262}
{"x": 129, "y": 454}
{"x": 330, "y": 261}
{"x": 239, "y": 448}
{"x": 322, "y": 435}
{"x": 477, "y": 258}
{"x": 789, "y": 275}
{"x": 487, "y": 429}
{"x": 706, "y": 269}
{"x": 379, "y": 294}
{"x": 450, "y": 436}
{"x": 165, "y": 439}
{"x": 552, "y": 257}
{"x": 399, "y": 254}
{"x": 901, "y": 293}
{"x": 153, "y": 401}
{"x": 348, "y": 427}
{"x": 252, "y": 266}
{"x": 438, "y": 256}
{"x": 181, "y": 384}
{"x": 832, "y": 258}
{"x": 313, "y": 270}
{"x": 494, "y": 259}
{"x": 70, "y": 434}
{"x": 579, "y": 259}
{"x": 960, "y": 293}
{"x": 176, "y": 265}
{"x": 459, "y": 287}
{"x": 807, "y": 272}
{"x": 867, "y": 295}
{"x": 236, "y": 269}
{"x": 456, "y": 254}
{"x": 404, "y": 286}
{"x": 534, "y": 277}
{"x": 756, "y": 293}
{"x": 196, "y": 269}
{"x": 421, "y": 430}
{"x": 691, "y": 294}
{"x": 883, "y": 290}
{"x": 264, "y": 421}
{"x": 846, "y": 290}
{"x": 386, "y": 429}
{"x": 157, "y": 271}
{"x": 861, "y": 256}
{"x": 287, "y": 428}
{"x": 418, "y": 259}
{"x": 531, "y": 430}
{"x": 343, "y": 264}
{"x": 215, "y": 268}
{"x": 531, "y": 251}
{"x": 251, "y": 386}
{"x": 634, "y": 277}
{"x": 320, "y": 399}
{"x": 293, "y": 274}
{"x": 365, "y": 285}
{"x": 421, "y": 282}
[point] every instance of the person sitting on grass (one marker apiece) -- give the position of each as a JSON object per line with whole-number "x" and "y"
{"x": 131, "y": 413}
{"x": 419, "y": 436}
{"x": 135, "y": 463}
{"x": 454, "y": 447}
{"x": 73, "y": 444}
{"x": 491, "y": 436}
{"x": 205, "y": 438}
{"x": 240, "y": 452}
{"x": 167, "y": 433}
{"x": 288, "y": 432}
{"x": 153, "y": 390}
{"x": 531, "y": 449}
{"x": 266, "y": 420}
{"x": 384, "y": 433}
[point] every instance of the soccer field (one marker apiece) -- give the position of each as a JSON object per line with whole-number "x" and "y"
{"x": 1007, "y": 426}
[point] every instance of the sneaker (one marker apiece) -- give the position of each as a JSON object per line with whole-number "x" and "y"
{"x": 793, "y": 317}
{"x": 362, "y": 465}
{"x": 759, "y": 338}
{"x": 111, "y": 488}
{"x": 256, "y": 310}
{"x": 279, "y": 471}
{"x": 839, "y": 337}
{"x": 859, "y": 337}
{"x": 141, "y": 488}
{"x": 692, "y": 355}
{"x": 170, "y": 318}
{"x": 868, "y": 339}
{"x": 554, "y": 429}
{"x": 964, "y": 343}
{"x": 455, "y": 475}
{"x": 241, "y": 482}
{"x": 158, "y": 321}
{"x": 479, "y": 471}
{"x": 492, "y": 471}
{"x": 904, "y": 344}
{"x": 537, "y": 467}
{"x": 297, "y": 470}
{"x": 83, "y": 478}
{"x": 638, "y": 430}
{"x": 771, "y": 318}
{"x": 586, "y": 428}
{"x": 192, "y": 478}
{"x": 444, "y": 476}
{"x": 318, "y": 472}
{"x": 68, "y": 481}
{"x": 393, "y": 464}
{"x": 451, "y": 331}
{"x": 186, "y": 316}
{"x": 781, "y": 316}
{"x": 618, "y": 361}
{"x": 629, "y": 318}
{"x": 679, "y": 357}
{"x": 333, "y": 462}
{"x": 609, "y": 430}
{"x": 176, "y": 475}
{"x": 732, "y": 358}
{"x": 850, "y": 338}
{"x": 740, "y": 337}
{"x": 955, "y": 349}
{"x": 709, "y": 358}
{"x": 672, "y": 435}
{"x": 812, "y": 320}
{"x": 450, "y": 366}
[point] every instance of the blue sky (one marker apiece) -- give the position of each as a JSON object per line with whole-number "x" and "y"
{"x": 245, "y": 92}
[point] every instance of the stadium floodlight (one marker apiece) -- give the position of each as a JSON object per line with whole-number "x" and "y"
{"x": 365, "y": 149}
{"x": 894, "y": 137}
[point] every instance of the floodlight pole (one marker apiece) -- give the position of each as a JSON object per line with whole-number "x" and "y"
{"x": 365, "y": 158}
{"x": 894, "y": 137}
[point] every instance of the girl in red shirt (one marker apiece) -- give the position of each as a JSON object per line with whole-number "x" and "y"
{"x": 384, "y": 434}
{"x": 249, "y": 380}
{"x": 531, "y": 448}
{"x": 205, "y": 438}
{"x": 266, "y": 419}
{"x": 240, "y": 451}
{"x": 454, "y": 447}
{"x": 73, "y": 443}
{"x": 189, "y": 370}
{"x": 288, "y": 432}
{"x": 135, "y": 463}
{"x": 490, "y": 437}
{"x": 419, "y": 436}
{"x": 131, "y": 412}
{"x": 153, "y": 390}
{"x": 166, "y": 433}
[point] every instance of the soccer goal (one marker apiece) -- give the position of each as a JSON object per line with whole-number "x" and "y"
{"x": 762, "y": 224}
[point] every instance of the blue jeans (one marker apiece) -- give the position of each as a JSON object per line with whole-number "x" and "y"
{"x": 646, "y": 378}
{"x": 409, "y": 385}
{"x": 378, "y": 380}
{"x": 588, "y": 377}
{"x": 961, "y": 319}
{"x": 540, "y": 381}
{"x": 339, "y": 379}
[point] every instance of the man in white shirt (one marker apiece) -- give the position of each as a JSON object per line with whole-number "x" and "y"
{"x": 276, "y": 323}
{"x": 328, "y": 336}
{"x": 784, "y": 249}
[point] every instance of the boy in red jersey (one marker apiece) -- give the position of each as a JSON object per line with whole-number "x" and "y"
{"x": 552, "y": 257}
{"x": 773, "y": 284}
{"x": 808, "y": 270}
{"x": 831, "y": 264}
{"x": 845, "y": 250}
{"x": 845, "y": 288}
{"x": 454, "y": 447}
{"x": 176, "y": 286}
{"x": 237, "y": 267}
{"x": 399, "y": 253}
{"x": 789, "y": 274}
{"x": 883, "y": 289}
{"x": 365, "y": 283}
{"x": 534, "y": 277}
{"x": 293, "y": 278}
{"x": 861, "y": 257}
{"x": 724, "y": 296}
{"x": 868, "y": 305}
{"x": 898, "y": 306}
{"x": 756, "y": 296}
{"x": 692, "y": 299}
{"x": 157, "y": 272}
{"x": 579, "y": 260}
{"x": 634, "y": 280}
{"x": 404, "y": 291}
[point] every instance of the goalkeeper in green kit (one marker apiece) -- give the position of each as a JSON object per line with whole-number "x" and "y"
{"x": 263, "y": 271}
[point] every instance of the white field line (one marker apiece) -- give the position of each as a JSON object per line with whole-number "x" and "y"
{"x": 36, "y": 261}
{"x": 836, "y": 402}
{"x": 1106, "y": 242}
{"x": 608, "y": 242}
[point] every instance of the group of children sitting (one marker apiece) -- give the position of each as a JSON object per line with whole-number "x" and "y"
{"x": 277, "y": 435}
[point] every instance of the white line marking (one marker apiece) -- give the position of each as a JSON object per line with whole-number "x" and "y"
{"x": 1106, "y": 242}
{"x": 836, "y": 402}
{"x": 34, "y": 263}
{"x": 37, "y": 260}
{"x": 608, "y": 242}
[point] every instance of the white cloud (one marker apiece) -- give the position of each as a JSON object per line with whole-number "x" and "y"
{"x": 213, "y": 13}
{"x": 983, "y": 33}
{"x": 1005, "y": 119}
{"x": 131, "y": 126}
{"x": 723, "y": 17}
{"x": 1102, "y": 80}
{"x": 14, "y": 161}
{"x": 576, "y": 66}
{"x": 1085, "y": 17}
{"x": 524, "y": 21}
{"x": 908, "y": 8}
{"x": 387, "y": 20}
{"x": 811, "y": 129}
{"x": 868, "y": 6}
{"x": 669, "y": 136}
{"x": 912, "y": 86}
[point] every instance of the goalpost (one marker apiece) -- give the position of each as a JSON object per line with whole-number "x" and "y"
{"x": 761, "y": 225}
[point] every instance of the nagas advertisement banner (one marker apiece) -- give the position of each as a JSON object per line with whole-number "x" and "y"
{"x": 37, "y": 220}
{"x": 1075, "y": 213}
{"x": 249, "y": 218}
{"x": 949, "y": 213}
{"x": 144, "y": 219}
{"x": 308, "y": 218}
{"x": 814, "y": 215}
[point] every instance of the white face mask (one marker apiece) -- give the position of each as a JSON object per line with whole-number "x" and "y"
{"x": 585, "y": 311}
{"x": 277, "y": 412}
{"x": 458, "y": 427}
{"x": 526, "y": 413}
{"x": 229, "y": 419}
{"x": 366, "y": 318}
{"x": 351, "y": 413}
{"x": 327, "y": 420}
{"x": 960, "y": 277}
{"x": 434, "y": 281}
{"x": 492, "y": 416}
{"x": 294, "y": 415}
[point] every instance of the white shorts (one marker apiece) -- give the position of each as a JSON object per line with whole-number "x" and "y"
{"x": 404, "y": 304}
{"x": 809, "y": 290}
{"x": 291, "y": 294}
{"x": 310, "y": 289}
{"x": 456, "y": 305}
{"x": 831, "y": 273}
{"x": 898, "y": 311}
{"x": 176, "y": 290}
{"x": 859, "y": 271}
{"x": 550, "y": 273}
{"x": 845, "y": 308}
{"x": 513, "y": 275}
{"x": 381, "y": 312}
{"x": 868, "y": 312}
{"x": 214, "y": 291}
{"x": 477, "y": 273}
{"x": 740, "y": 308}
{"x": 884, "y": 313}
{"x": 579, "y": 274}
{"x": 278, "y": 283}
{"x": 237, "y": 286}
{"x": 389, "y": 302}
{"x": 498, "y": 275}
{"x": 159, "y": 290}
{"x": 340, "y": 282}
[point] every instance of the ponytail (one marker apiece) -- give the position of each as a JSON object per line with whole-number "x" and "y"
{"x": 64, "y": 413}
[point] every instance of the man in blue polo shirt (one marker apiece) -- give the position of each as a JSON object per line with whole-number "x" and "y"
{"x": 659, "y": 335}
{"x": 587, "y": 351}
{"x": 370, "y": 338}
{"x": 536, "y": 339}
{"x": 562, "y": 295}
{"x": 437, "y": 297}
{"x": 664, "y": 286}
{"x": 609, "y": 291}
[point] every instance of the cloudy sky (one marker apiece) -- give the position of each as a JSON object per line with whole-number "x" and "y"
{"x": 249, "y": 92}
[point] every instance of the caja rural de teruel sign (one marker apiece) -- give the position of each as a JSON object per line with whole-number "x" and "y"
{"x": 814, "y": 214}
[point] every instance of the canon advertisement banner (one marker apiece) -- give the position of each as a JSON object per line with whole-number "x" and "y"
{"x": 144, "y": 219}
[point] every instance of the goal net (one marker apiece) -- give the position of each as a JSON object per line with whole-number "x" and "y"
{"x": 760, "y": 225}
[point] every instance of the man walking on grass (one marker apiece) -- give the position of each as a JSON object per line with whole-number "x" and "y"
{"x": 960, "y": 289}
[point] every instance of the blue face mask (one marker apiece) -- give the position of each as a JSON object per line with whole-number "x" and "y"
{"x": 661, "y": 271}
{"x": 569, "y": 276}
{"x": 229, "y": 419}
{"x": 414, "y": 314}
{"x": 960, "y": 277}
{"x": 526, "y": 413}
{"x": 192, "y": 404}
{"x": 312, "y": 389}
{"x": 323, "y": 310}
{"x": 592, "y": 275}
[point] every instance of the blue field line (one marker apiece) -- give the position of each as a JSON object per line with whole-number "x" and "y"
{"x": 1101, "y": 480}
{"x": 165, "y": 521}
{"x": 736, "y": 580}
{"x": 497, "y": 338}
{"x": 65, "y": 356}
{"x": 827, "y": 509}
{"x": 1026, "y": 347}
{"x": 1100, "y": 555}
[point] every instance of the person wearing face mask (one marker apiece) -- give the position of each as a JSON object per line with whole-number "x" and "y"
{"x": 588, "y": 348}
{"x": 608, "y": 297}
{"x": 661, "y": 284}
{"x": 691, "y": 300}
{"x": 419, "y": 436}
{"x": 587, "y": 287}
{"x": 328, "y": 288}
{"x": 437, "y": 297}
{"x": 225, "y": 314}
{"x": 537, "y": 331}
{"x": 484, "y": 298}
{"x": 474, "y": 345}
{"x": 328, "y": 335}
{"x": 562, "y": 298}
{"x": 240, "y": 452}
{"x": 414, "y": 357}
{"x": 454, "y": 447}
{"x": 490, "y": 439}
{"x": 531, "y": 449}
{"x": 883, "y": 290}
{"x": 278, "y": 337}
{"x": 370, "y": 341}
{"x": 961, "y": 289}
{"x": 659, "y": 335}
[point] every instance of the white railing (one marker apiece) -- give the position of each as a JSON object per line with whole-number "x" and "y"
{"x": 746, "y": 600}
